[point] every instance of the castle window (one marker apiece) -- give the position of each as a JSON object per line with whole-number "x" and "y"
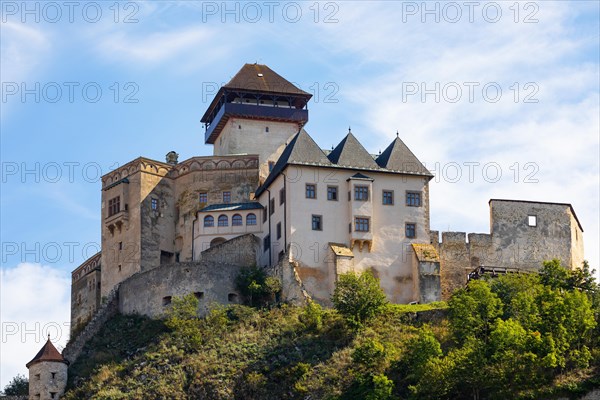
{"x": 223, "y": 220}
{"x": 317, "y": 223}
{"x": 361, "y": 224}
{"x": 311, "y": 191}
{"x": 199, "y": 295}
{"x": 203, "y": 197}
{"x": 267, "y": 129}
{"x": 532, "y": 220}
{"x": 120, "y": 245}
{"x": 332, "y": 193}
{"x": 166, "y": 300}
{"x": 361, "y": 193}
{"x": 267, "y": 242}
{"x": 209, "y": 221}
{"x": 232, "y": 298}
{"x": 410, "y": 230}
{"x": 250, "y": 219}
{"x": 388, "y": 197}
{"x": 264, "y": 215}
{"x": 154, "y": 203}
{"x": 272, "y": 207}
{"x": 37, "y": 377}
{"x": 226, "y": 197}
{"x": 236, "y": 220}
{"x": 279, "y": 230}
{"x": 281, "y": 196}
{"x": 52, "y": 395}
{"x": 119, "y": 267}
{"x": 271, "y": 165}
{"x": 53, "y": 375}
{"x": 114, "y": 206}
{"x": 413, "y": 199}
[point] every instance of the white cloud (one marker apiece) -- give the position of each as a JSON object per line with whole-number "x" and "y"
{"x": 35, "y": 302}
{"x": 155, "y": 47}
{"x": 559, "y": 134}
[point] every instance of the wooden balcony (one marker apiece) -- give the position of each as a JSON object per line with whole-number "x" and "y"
{"x": 252, "y": 111}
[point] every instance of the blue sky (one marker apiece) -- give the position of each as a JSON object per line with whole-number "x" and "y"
{"x": 510, "y": 90}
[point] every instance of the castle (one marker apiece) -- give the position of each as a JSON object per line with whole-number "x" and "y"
{"x": 271, "y": 197}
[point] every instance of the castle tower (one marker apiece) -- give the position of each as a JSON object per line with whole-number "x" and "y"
{"x": 257, "y": 112}
{"x": 47, "y": 373}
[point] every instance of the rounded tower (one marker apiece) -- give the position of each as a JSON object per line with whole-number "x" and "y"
{"x": 47, "y": 373}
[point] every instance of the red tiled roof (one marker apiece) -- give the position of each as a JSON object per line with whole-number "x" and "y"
{"x": 47, "y": 353}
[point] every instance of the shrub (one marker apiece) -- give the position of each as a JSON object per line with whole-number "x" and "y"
{"x": 312, "y": 316}
{"x": 358, "y": 297}
{"x": 257, "y": 288}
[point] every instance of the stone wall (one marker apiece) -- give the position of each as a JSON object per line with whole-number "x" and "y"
{"x": 85, "y": 292}
{"x": 241, "y": 250}
{"x": 47, "y": 380}
{"x": 75, "y": 345}
{"x": 150, "y": 293}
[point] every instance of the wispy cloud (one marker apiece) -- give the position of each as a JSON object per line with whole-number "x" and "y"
{"x": 34, "y": 302}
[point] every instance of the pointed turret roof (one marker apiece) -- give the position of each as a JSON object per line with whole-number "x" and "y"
{"x": 398, "y": 157}
{"x": 349, "y": 152}
{"x": 47, "y": 353}
{"x": 261, "y": 78}
{"x": 302, "y": 149}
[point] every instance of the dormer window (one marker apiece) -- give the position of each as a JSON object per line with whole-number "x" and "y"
{"x": 532, "y": 220}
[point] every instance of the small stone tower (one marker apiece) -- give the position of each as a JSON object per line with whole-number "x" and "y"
{"x": 47, "y": 373}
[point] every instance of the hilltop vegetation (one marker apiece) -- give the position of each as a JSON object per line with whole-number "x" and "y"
{"x": 518, "y": 336}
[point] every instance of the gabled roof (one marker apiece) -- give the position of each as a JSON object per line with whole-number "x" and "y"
{"x": 303, "y": 150}
{"x": 47, "y": 353}
{"x": 398, "y": 157}
{"x": 361, "y": 176}
{"x": 349, "y": 152}
{"x": 254, "y": 205}
{"x": 261, "y": 78}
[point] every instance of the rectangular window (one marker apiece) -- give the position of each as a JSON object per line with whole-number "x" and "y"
{"x": 271, "y": 165}
{"x": 361, "y": 224}
{"x": 317, "y": 223}
{"x": 532, "y": 220}
{"x": 154, "y": 204}
{"x": 388, "y": 197}
{"x": 114, "y": 206}
{"x": 226, "y": 197}
{"x": 332, "y": 193}
{"x": 311, "y": 191}
{"x": 265, "y": 214}
{"x": 411, "y": 230}
{"x": 203, "y": 197}
{"x": 281, "y": 196}
{"x": 361, "y": 193}
{"x": 272, "y": 207}
{"x": 279, "y": 230}
{"x": 413, "y": 199}
{"x": 267, "y": 242}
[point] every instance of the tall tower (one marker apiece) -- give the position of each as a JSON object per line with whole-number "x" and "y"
{"x": 257, "y": 112}
{"x": 47, "y": 373}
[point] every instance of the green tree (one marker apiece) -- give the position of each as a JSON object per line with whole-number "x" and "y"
{"x": 18, "y": 386}
{"x": 473, "y": 311}
{"x": 257, "y": 288}
{"x": 358, "y": 297}
{"x": 182, "y": 319}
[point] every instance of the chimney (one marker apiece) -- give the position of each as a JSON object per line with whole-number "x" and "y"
{"x": 172, "y": 158}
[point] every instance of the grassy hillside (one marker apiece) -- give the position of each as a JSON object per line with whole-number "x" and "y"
{"x": 480, "y": 346}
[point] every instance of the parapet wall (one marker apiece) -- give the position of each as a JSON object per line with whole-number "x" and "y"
{"x": 149, "y": 293}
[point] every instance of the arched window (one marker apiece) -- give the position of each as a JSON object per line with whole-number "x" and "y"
{"x": 223, "y": 220}
{"x": 209, "y": 221}
{"x": 250, "y": 219}
{"x": 236, "y": 220}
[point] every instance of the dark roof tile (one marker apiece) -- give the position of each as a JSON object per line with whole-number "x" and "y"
{"x": 47, "y": 353}
{"x": 398, "y": 157}
{"x": 350, "y": 153}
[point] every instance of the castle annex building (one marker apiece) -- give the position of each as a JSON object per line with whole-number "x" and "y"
{"x": 271, "y": 196}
